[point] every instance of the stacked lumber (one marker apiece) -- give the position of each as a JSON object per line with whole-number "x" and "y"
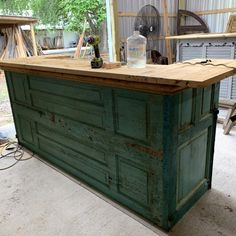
{"x": 231, "y": 26}
{"x": 228, "y": 124}
{"x": 29, "y": 43}
{"x": 14, "y": 43}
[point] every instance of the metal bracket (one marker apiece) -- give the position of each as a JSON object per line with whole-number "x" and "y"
{"x": 190, "y": 28}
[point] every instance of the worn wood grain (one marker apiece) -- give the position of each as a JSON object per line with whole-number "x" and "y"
{"x": 34, "y": 44}
{"x": 167, "y": 31}
{"x": 19, "y": 20}
{"x": 169, "y": 78}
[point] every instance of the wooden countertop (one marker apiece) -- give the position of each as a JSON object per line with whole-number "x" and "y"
{"x": 154, "y": 78}
{"x": 203, "y": 36}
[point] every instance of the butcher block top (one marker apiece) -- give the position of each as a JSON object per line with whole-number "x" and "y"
{"x": 163, "y": 79}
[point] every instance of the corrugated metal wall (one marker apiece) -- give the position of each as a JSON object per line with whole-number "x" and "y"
{"x": 216, "y": 22}
{"x": 126, "y": 22}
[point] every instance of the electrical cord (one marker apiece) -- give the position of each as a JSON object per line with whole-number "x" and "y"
{"x": 206, "y": 63}
{"x": 17, "y": 153}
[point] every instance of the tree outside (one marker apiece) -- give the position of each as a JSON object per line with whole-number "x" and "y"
{"x": 69, "y": 14}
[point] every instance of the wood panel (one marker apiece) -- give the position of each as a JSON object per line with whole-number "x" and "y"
{"x": 192, "y": 160}
{"x": 131, "y": 156}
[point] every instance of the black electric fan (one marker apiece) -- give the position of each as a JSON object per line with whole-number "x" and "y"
{"x": 147, "y": 23}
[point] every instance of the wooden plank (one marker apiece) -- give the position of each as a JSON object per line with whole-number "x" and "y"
{"x": 182, "y": 4}
{"x": 229, "y": 125}
{"x": 204, "y": 36}
{"x": 134, "y": 14}
{"x": 35, "y": 52}
{"x": 81, "y": 41}
{"x": 167, "y": 32}
{"x": 111, "y": 65}
{"x": 231, "y": 24}
{"x": 227, "y": 103}
{"x": 123, "y": 84}
{"x": 189, "y": 74}
{"x": 113, "y": 30}
{"x": 173, "y": 15}
{"x": 231, "y": 106}
{"x": 19, "y": 20}
{"x": 180, "y": 74}
{"x": 216, "y": 11}
{"x": 19, "y": 42}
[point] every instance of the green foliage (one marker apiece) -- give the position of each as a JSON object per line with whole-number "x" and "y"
{"x": 47, "y": 11}
{"x": 69, "y": 13}
{"x": 75, "y": 14}
{"x": 16, "y": 7}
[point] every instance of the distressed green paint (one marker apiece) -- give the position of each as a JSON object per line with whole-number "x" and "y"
{"x": 152, "y": 153}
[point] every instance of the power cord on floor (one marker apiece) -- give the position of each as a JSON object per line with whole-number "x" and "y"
{"x": 12, "y": 150}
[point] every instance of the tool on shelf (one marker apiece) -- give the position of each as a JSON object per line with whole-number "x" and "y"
{"x": 97, "y": 61}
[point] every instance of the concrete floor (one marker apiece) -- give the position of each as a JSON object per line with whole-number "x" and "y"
{"x": 38, "y": 200}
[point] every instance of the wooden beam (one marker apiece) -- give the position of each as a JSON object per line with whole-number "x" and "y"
{"x": 204, "y": 36}
{"x": 113, "y": 30}
{"x": 182, "y": 4}
{"x": 217, "y": 11}
{"x": 17, "y": 20}
{"x": 166, "y": 31}
{"x": 134, "y": 14}
{"x": 35, "y": 51}
{"x": 81, "y": 41}
{"x": 209, "y": 12}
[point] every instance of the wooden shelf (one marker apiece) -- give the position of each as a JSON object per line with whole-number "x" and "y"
{"x": 203, "y": 36}
{"x": 16, "y": 20}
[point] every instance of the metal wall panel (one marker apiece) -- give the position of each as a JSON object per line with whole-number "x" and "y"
{"x": 233, "y": 88}
{"x": 126, "y": 23}
{"x": 212, "y": 49}
{"x": 216, "y": 22}
{"x": 188, "y": 53}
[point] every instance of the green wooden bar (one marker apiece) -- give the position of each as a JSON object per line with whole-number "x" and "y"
{"x": 152, "y": 153}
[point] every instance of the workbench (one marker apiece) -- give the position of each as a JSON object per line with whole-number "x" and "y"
{"x": 142, "y": 137}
